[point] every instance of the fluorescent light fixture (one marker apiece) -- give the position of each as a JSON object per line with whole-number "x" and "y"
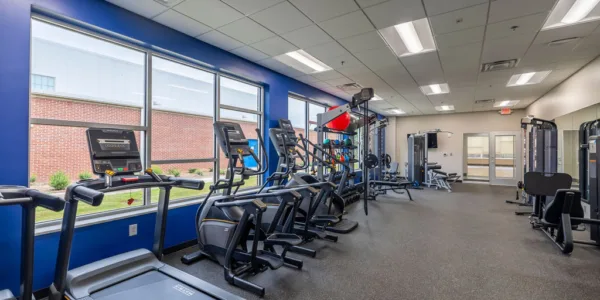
{"x": 527, "y": 78}
{"x": 188, "y": 89}
{"x": 409, "y": 36}
{"x": 579, "y": 10}
{"x": 302, "y": 61}
{"x": 376, "y": 98}
{"x": 444, "y": 107}
{"x": 396, "y": 111}
{"x": 570, "y": 12}
{"x": 524, "y": 78}
{"x": 435, "y": 89}
{"x": 506, "y": 103}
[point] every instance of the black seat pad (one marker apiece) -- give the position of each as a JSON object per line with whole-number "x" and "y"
{"x": 546, "y": 184}
{"x": 554, "y": 209}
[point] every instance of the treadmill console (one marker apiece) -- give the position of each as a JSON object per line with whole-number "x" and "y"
{"x": 237, "y": 140}
{"x": 113, "y": 149}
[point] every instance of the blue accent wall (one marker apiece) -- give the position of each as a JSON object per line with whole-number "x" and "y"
{"x": 106, "y": 239}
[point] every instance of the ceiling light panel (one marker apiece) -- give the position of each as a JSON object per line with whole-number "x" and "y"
{"x": 409, "y": 38}
{"x": 396, "y": 111}
{"x": 435, "y": 89}
{"x": 527, "y": 78}
{"x": 376, "y": 98}
{"x": 303, "y": 62}
{"x": 506, "y": 103}
{"x": 444, "y": 108}
{"x": 570, "y": 12}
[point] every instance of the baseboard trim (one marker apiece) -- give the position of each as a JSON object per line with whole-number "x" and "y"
{"x": 181, "y": 246}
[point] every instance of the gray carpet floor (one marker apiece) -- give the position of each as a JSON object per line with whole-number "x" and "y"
{"x": 462, "y": 245}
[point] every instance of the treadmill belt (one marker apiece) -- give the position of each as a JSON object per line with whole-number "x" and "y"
{"x": 150, "y": 285}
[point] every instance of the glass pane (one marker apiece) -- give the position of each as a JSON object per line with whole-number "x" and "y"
{"x": 297, "y": 114}
{"x": 505, "y": 156}
{"x": 478, "y": 156}
{"x": 239, "y": 94}
{"x": 182, "y": 111}
{"x": 100, "y": 81}
{"x": 249, "y": 123}
{"x": 52, "y": 170}
{"x": 202, "y": 171}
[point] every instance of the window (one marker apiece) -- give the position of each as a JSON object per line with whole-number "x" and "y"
{"x": 104, "y": 83}
{"x": 41, "y": 83}
{"x": 238, "y": 103}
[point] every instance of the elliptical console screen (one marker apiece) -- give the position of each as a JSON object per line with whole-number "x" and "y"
{"x": 287, "y": 126}
{"x": 113, "y": 149}
{"x": 237, "y": 139}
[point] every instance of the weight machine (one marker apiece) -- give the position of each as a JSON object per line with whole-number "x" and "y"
{"x": 323, "y": 119}
{"x": 419, "y": 170}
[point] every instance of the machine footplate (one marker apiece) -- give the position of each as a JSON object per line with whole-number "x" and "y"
{"x": 272, "y": 260}
{"x": 344, "y": 226}
{"x": 283, "y": 239}
{"x": 324, "y": 220}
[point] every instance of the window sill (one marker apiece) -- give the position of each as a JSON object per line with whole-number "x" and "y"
{"x": 55, "y": 226}
{"x": 84, "y": 221}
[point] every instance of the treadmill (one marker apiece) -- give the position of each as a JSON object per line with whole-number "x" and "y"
{"x": 138, "y": 274}
{"x": 29, "y": 200}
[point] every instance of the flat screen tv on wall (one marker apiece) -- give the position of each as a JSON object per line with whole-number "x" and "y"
{"x": 432, "y": 140}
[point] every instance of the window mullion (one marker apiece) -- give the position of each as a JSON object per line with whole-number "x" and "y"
{"x": 148, "y": 123}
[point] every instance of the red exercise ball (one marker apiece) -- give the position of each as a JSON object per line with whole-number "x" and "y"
{"x": 340, "y": 123}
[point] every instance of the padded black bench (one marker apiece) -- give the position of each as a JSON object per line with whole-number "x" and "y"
{"x": 380, "y": 187}
{"x": 442, "y": 179}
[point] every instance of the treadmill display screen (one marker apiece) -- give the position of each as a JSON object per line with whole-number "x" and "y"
{"x": 113, "y": 149}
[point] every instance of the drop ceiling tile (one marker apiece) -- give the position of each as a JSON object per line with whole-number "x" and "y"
{"x": 367, "y": 76}
{"x": 428, "y": 59}
{"x": 281, "y": 18}
{"x": 461, "y": 37}
{"x": 182, "y": 23}
{"x": 395, "y": 12}
{"x": 213, "y": 13}
{"x": 327, "y": 50}
{"x": 220, "y": 40}
{"x": 277, "y": 66}
{"x": 349, "y": 71}
{"x": 307, "y": 36}
{"x": 339, "y": 81}
{"x": 146, "y": 8}
{"x": 495, "y": 77}
{"x": 460, "y": 19}
{"x": 577, "y": 30}
{"x": 347, "y": 25}
{"x": 367, "y": 3}
{"x": 342, "y": 61}
{"x": 436, "y": 7}
{"x": 307, "y": 79}
{"x": 248, "y": 7}
{"x": 169, "y": 3}
{"x": 393, "y": 73}
{"x": 319, "y": 10}
{"x": 249, "y": 53}
{"x": 525, "y": 25}
{"x": 274, "y": 46}
{"x": 328, "y": 75}
{"x": 367, "y": 41}
{"x": 378, "y": 58}
{"x": 506, "y": 48}
{"x": 510, "y": 9}
{"x": 246, "y": 31}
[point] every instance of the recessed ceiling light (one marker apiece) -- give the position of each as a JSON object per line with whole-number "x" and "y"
{"x": 376, "y": 98}
{"x": 527, "y": 78}
{"x": 409, "y": 38}
{"x": 506, "y": 103}
{"x": 435, "y": 89}
{"x": 569, "y": 12}
{"x": 579, "y": 10}
{"x": 444, "y": 108}
{"x": 302, "y": 61}
{"x": 396, "y": 111}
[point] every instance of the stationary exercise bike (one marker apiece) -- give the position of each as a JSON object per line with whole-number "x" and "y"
{"x": 226, "y": 223}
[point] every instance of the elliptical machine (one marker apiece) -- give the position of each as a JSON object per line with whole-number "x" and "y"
{"x": 225, "y": 224}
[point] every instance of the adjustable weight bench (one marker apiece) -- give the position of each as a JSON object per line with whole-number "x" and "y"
{"x": 379, "y": 187}
{"x": 442, "y": 179}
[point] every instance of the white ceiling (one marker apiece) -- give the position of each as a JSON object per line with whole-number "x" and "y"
{"x": 343, "y": 34}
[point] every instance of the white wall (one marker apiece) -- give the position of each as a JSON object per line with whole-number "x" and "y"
{"x": 459, "y": 124}
{"x": 390, "y": 138}
{"x": 575, "y": 93}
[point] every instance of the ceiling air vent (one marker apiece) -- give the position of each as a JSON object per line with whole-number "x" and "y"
{"x": 563, "y": 41}
{"x": 499, "y": 65}
{"x": 349, "y": 87}
{"x": 485, "y": 101}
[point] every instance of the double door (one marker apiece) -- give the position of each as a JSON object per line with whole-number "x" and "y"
{"x": 493, "y": 157}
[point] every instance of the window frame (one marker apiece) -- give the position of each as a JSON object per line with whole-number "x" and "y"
{"x": 145, "y": 128}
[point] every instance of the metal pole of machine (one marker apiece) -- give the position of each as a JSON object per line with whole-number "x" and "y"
{"x": 365, "y": 155}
